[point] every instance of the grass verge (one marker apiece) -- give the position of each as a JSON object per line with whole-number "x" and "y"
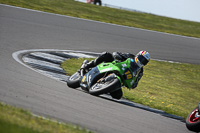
{"x": 171, "y": 87}
{"x": 16, "y": 120}
{"x": 110, "y": 15}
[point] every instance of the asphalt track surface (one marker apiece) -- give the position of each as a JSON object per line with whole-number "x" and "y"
{"x": 20, "y": 86}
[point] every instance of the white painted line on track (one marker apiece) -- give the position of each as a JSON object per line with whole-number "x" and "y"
{"x": 39, "y": 53}
{"x": 48, "y": 56}
{"x": 31, "y": 60}
{"x": 98, "y": 21}
{"x": 16, "y": 56}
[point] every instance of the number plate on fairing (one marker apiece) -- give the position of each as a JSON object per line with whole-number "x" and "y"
{"x": 127, "y": 74}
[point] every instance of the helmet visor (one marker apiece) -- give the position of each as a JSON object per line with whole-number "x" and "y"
{"x": 142, "y": 60}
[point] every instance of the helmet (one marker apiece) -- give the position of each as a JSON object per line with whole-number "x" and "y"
{"x": 142, "y": 58}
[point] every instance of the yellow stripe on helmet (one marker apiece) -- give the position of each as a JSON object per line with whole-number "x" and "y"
{"x": 136, "y": 59}
{"x": 143, "y": 52}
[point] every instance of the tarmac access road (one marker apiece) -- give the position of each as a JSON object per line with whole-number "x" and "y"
{"x": 20, "y": 86}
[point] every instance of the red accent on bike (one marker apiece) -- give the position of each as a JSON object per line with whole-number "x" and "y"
{"x": 193, "y": 118}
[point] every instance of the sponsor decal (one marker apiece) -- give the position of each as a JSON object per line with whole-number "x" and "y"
{"x": 89, "y": 79}
{"x": 83, "y": 78}
{"x": 132, "y": 82}
{"x": 124, "y": 65}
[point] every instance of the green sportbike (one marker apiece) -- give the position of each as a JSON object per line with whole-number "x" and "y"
{"x": 106, "y": 78}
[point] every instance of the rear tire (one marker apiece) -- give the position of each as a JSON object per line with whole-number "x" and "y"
{"x": 73, "y": 80}
{"x": 117, "y": 94}
{"x": 193, "y": 121}
{"x": 110, "y": 84}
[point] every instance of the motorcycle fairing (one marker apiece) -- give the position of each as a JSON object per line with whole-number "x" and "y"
{"x": 123, "y": 68}
{"x": 88, "y": 79}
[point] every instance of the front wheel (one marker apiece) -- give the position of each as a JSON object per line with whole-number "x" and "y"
{"x": 193, "y": 120}
{"x": 73, "y": 81}
{"x": 105, "y": 85}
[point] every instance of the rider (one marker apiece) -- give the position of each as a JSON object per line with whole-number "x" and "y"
{"x": 141, "y": 59}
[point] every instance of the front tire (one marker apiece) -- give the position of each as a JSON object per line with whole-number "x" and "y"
{"x": 106, "y": 85}
{"x": 73, "y": 80}
{"x": 193, "y": 121}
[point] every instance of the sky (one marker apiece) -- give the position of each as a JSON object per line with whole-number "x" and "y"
{"x": 180, "y": 9}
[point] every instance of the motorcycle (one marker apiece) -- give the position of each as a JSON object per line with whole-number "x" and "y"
{"x": 106, "y": 78}
{"x": 193, "y": 120}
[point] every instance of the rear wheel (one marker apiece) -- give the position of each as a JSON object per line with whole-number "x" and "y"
{"x": 73, "y": 81}
{"x": 117, "y": 94}
{"x": 105, "y": 85}
{"x": 193, "y": 120}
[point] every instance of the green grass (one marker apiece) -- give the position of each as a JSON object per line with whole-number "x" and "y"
{"x": 16, "y": 120}
{"x": 110, "y": 15}
{"x": 171, "y": 87}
